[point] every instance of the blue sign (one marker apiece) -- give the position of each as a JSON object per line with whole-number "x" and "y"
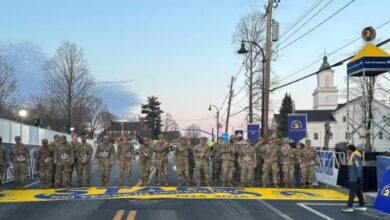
{"x": 382, "y": 202}
{"x": 371, "y": 65}
{"x": 296, "y": 126}
{"x": 225, "y": 137}
{"x": 253, "y": 132}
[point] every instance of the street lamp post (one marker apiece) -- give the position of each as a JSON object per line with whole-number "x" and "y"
{"x": 216, "y": 108}
{"x": 22, "y": 114}
{"x": 264, "y": 94}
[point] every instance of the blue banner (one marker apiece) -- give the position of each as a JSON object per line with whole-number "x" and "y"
{"x": 225, "y": 137}
{"x": 382, "y": 164}
{"x": 253, "y": 132}
{"x": 296, "y": 126}
{"x": 371, "y": 65}
{"x": 382, "y": 202}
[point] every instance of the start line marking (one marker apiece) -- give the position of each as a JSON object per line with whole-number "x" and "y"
{"x": 153, "y": 192}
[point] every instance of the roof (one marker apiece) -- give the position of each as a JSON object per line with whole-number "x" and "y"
{"x": 127, "y": 126}
{"x": 313, "y": 115}
{"x": 369, "y": 50}
{"x": 325, "y": 64}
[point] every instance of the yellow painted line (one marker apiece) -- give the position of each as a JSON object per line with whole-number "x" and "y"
{"x": 131, "y": 215}
{"x": 119, "y": 214}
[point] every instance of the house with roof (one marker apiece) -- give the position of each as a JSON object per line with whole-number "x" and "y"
{"x": 327, "y": 109}
{"x": 133, "y": 129}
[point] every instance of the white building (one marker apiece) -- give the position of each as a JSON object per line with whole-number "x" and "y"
{"x": 326, "y": 108}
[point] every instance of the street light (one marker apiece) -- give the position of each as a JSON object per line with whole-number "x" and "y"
{"x": 264, "y": 86}
{"x": 22, "y": 114}
{"x": 216, "y": 108}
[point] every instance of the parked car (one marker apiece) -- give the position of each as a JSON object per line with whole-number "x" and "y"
{"x": 136, "y": 145}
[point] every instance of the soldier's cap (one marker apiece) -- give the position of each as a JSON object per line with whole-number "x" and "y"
{"x": 83, "y": 136}
{"x": 18, "y": 138}
{"x": 160, "y": 136}
{"x": 45, "y": 141}
{"x": 56, "y": 136}
{"x": 63, "y": 137}
{"x": 285, "y": 140}
{"x": 106, "y": 138}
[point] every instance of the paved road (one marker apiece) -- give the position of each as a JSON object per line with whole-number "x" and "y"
{"x": 176, "y": 208}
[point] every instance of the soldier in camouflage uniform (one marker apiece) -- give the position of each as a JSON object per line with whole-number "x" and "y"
{"x": 145, "y": 154}
{"x": 74, "y": 144}
{"x": 270, "y": 154}
{"x": 3, "y": 161}
{"x": 298, "y": 156}
{"x": 105, "y": 156}
{"x": 53, "y": 146}
{"x": 182, "y": 164}
{"x": 201, "y": 155}
{"x": 216, "y": 154}
{"x": 64, "y": 159}
{"x": 237, "y": 168}
{"x": 286, "y": 157}
{"x": 126, "y": 157}
{"x": 161, "y": 148}
{"x": 227, "y": 156}
{"x": 45, "y": 163}
{"x": 20, "y": 157}
{"x": 247, "y": 161}
{"x": 259, "y": 164}
{"x": 309, "y": 160}
{"x": 83, "y": 156}
{"x": 191, "y": 159}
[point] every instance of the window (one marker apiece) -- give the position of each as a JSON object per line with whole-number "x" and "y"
{"x": 307, "y": 135}
{"x": 331, "y": 135}
{"x": 380, "y": 135}
{"x": 315, "y": 136}
{"x": 346, "y": 135}
{"x": 344, "y": 118}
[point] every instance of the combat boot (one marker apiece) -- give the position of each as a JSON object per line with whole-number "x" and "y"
{"x": 276, "y": 185}
{"x": 230, "y": 183}
{"x": 223, "y": 184}
{"x": 309, "y": 186}
{"x": 158, "y": 183}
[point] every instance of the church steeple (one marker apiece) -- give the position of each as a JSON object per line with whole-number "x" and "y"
{"x": 325, "y": 64}
{"x": 325, "y": 95}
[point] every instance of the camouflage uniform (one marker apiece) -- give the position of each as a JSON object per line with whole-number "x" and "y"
{"x": 247, "y": 161}
{"x": 287, "y": 165}
{"x": 74, "y": 166}
{"x": 145, "y": 154}
{"x": 227, "y": 157}
{"x": 20, "y": 158}
{"x": 63, "y": 158}
{"x": 83, "y": 155}
{"x": 53, "y": 146}
{"x": 45, "y": 162}
{"x": 191, "y": 160}
{"x": 105, "y": 156}
{"x": 259, "y": 164}
{"x": 270, "y": 154}
{"x": 298, "y": 156}
{"x": 309, "y": 159}
{"x": 237, "y": 168}
{"x": 125, "y": 156}
{"x": 201, "y": 154}
{"x": 161, "y": 162}
{"x": 182, "y": 164}
{"x": 216, "y": 154}
{"x": 3, "y": 163}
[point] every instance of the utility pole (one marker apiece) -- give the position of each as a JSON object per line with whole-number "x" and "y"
{"x": 229, "y": 104}
{"x": 266, "y": 75}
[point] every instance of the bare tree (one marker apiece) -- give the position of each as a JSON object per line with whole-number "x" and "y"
{"x": 68, "y": 81}
{"x": 169, "y": 123}
{"x": 251, "y": 27}
{"x": 8, "y": 85}
{"x": 94, "y": 114}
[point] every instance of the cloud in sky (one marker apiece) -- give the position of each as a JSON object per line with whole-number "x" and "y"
{"x": 118, "y": 96}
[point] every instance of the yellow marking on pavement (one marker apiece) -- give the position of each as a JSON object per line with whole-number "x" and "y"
{"x": 152, "y": 170}
{"x": 119, "y": 214}
{"x": 154, "y": 192}
{"x": 131, "y": 215}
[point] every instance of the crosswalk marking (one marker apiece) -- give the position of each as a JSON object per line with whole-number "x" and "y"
{"x": 119, "y": 214}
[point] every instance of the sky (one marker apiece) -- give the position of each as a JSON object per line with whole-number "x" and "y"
{"x": 181, "y": 51}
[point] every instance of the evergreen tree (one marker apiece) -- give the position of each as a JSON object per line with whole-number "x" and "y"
{"x": 152, "y": 113}
{"x": 285, "y": 109}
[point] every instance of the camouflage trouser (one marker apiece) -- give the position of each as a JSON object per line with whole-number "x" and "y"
{"x": 46, "y": 173}
{"x": 83, "y": 170}
{"x": 145, "y": 171}
{"x": 20, "y": 172}
{"x": 183, "y": 169}
{"x": 237, "y": 171}
{"x": 192, "y": 167}
{"x": 201, "y": 167}
{"x": 3, "y": 169}
{"x": 307, "y": 173}
{"x": 259, "y": 172}
{"x": 227, "y": 170}
{"x": 267, "y": 166}
{"x": 246, "y": 172}
{"x": 104, "y": 171}
{"x": 288, "y": 173}
{"x": 125, "y": 166}
{"x": 216, "y": 168}
{"x": 162, "y": 169}
{"x": 73, "y": 167}
{"x": 65, "y": 169}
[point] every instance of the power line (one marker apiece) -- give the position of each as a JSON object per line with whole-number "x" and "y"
{"x": 301, "y": 18}
{"x": 317, "y": 26}
{"x": 236, "y": 76}
{"x": 334, "y": 65}
{"x": 333, "y": 52}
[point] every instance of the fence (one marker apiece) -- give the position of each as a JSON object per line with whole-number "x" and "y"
{"x": 328, "y": 168}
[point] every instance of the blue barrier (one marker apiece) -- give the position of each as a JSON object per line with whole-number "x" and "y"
{"x": 382, "y": 202}
{"x": 382, "y": 163}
